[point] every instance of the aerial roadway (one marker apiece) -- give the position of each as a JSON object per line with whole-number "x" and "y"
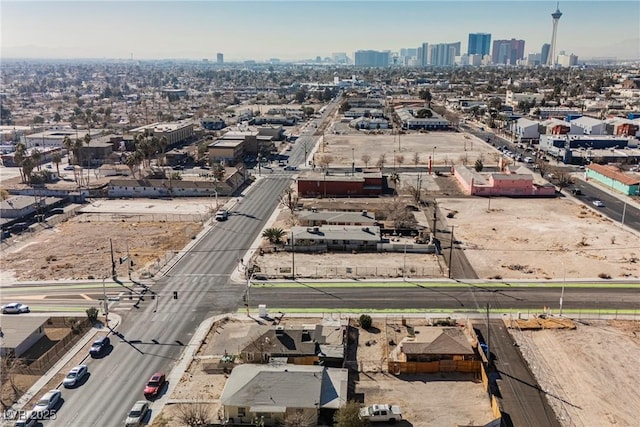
{"x": 153, "y": 337}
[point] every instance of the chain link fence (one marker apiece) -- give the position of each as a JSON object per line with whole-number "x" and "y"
{"x": 317, "y": 272}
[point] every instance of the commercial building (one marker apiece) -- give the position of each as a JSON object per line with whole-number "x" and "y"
{"x": 479, "y": 44}
{"x": 508, "y": 51}
{"x": 220, "y": 58}
{"x": 372, "y": 58}
{"x": 443, "y": 54}
{"x": 614, "y": 178}
{"x": 322, "y": 185}
{"x": 175, "y": 132}
{"x": 512, "y": 182}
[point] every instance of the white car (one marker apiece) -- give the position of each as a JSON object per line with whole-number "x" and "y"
{"x": 598, "y": 203}
{"x": 15, "y": 308}
{"x": 222, "y": 215}
{"x": 137, "y": 413}
{"x": 75, "y": 376}
{"x": 381, "y": 413}
{"x": 44, "y": 407}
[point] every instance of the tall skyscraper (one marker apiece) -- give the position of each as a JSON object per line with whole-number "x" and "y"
{"x": 372, "y": 58}
{"x": 220, "y": 58}
{"x": 544, "y": 54}
{"x": 479, "y": 44}
{"x": 507, "y": 51}
{"x": 551, "y": 61}
{"x": 443, "y": 54}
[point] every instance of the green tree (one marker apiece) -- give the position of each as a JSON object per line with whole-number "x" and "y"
{"x": 478, "y": 165}
{"x": 18, "y": 157}
{"x": 56, "y": 159}
{"x": 345, "y": 106}
{"x": 424, "y": 113}
{"x": 273, "y": 234}
{"x": 218, "y": 171}
{"x": 426, "y": 95}
{"x": 365, "y": 321}
{"x": 300, "y": 96}
{"x": 349, "y": 416}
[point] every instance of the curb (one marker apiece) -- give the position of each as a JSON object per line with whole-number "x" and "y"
{"x": 185, "y": 360}
{"x": 43, "y": 380}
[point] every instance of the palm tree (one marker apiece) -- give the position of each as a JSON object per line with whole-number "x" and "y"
{"x": 27, "y": 167}
{"x": 273, "y": 234}
{"x": 87, "y": 141}
{"x": 162, "y": 144}
{"x": 131, "y": 161}
{"x": 77, "y": 150}
{"x": 67, "y": 143}
{"x": 56, "y": 159}
{"x": 36, "y": 156}
{"x": 19, "y": 156}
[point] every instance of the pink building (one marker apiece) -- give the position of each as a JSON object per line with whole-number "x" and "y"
{"x": 517, "y": 183}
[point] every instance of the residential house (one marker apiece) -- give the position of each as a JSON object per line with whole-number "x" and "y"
{"x": 313, "y": 344}
{"x": 314, "y": 218}
{"x": 437, "y": 343}
{"x": 335, "y": 238}
{"x": 268, "y": 394}
{"x": 19, "y": 333}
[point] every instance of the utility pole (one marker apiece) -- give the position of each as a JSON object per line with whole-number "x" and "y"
{"x": 451, "y": 251}
{"x": 106, "y": 303}
{"x": 564, "y": 282}
{"x": 488, "y": 338}
{"x": 293, "y": 256}
{"x": 113, "y": 261}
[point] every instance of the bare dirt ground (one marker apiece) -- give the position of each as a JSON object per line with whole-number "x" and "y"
{"x": 426, "y": 400}
{"x": 590, "y": 374}
{"x": 79, "y": 248}
{"x": 541, "y": 239}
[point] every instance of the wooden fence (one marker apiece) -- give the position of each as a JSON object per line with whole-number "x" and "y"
{"x": 473, "y": 366}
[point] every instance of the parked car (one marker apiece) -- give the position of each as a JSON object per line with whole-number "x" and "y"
{"x": 68, "y": 168}
{"x": 381, "y": 413}
{"x": 576, "y": 192}
{"x": 99, "y": 346}
{"x": 154, "y": 385}
{"x": 291, "y": 168}
{"x": 75, "y": 376}
{"x": 137, "y": 413}
{"x": 45, "y": 406}
{"x": 15, "y": 308}
{"x": 598, "y": 203}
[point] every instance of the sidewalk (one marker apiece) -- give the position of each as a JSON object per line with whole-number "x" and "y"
{"x": 36, "y": 388}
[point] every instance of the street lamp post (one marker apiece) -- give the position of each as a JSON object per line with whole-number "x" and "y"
{"x": 432, "y": 160}
{"x": 353, "y": 162}
{"x": 564, "y": 280}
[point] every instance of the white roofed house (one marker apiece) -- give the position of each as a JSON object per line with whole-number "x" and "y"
{"x": 524, "y": 129}
{"x": 587, "y": 126}
{"x": 269, "y": 394}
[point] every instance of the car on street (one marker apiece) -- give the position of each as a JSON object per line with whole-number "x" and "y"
{"x": 45, "y": 406}
{"x": 137, "y": 413}
{"x": 290, "y": 168}
{"x": 222, "y": 215}
{"x": 598, "y": 203}
{"x": 99, "y": 346}
{"x": 75, "y": 376}
{"x": 15, "y": 308}
{"x": 154, "y": 385}
{"x": 68, "y": 168}
{"x": 26, "y": 419}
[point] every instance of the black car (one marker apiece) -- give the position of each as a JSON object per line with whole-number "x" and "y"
{"x": 99, "y": 346}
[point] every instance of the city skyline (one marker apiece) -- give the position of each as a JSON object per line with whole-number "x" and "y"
{"x": 293, "y": 30}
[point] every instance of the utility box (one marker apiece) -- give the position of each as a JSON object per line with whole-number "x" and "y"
{"x": 262, "y": 310}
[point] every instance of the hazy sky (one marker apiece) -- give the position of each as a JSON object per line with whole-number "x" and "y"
{"x": 304, "y": 29}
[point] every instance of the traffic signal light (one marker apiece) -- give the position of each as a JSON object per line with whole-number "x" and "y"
{"x": 175, "y": 294}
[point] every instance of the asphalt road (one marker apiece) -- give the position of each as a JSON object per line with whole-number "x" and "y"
{"x": 153, "y": 341}
{"x": 424, "y": 297}
{"x": 153, "y": 336}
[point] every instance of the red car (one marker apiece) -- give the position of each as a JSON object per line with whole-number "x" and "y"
{"x": 154, "y": 385}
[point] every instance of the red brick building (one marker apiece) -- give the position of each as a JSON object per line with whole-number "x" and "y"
{"x": 320, "y": 185}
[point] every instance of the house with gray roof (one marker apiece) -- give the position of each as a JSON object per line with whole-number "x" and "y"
{"x": 336, "y": 238}
{"x": 19, "y": 333}
{"x": 268, "y": 394}
{"x": 315, "y": 218}
{"x": 316, "y": 343}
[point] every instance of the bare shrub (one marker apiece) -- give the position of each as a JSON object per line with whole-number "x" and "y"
{"x": 194, "y": 414}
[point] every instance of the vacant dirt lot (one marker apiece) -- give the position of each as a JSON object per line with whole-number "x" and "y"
{"x": 80, "y": 248}
{"x": 590, "y": 374}
{"x": 541, "y": 239}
